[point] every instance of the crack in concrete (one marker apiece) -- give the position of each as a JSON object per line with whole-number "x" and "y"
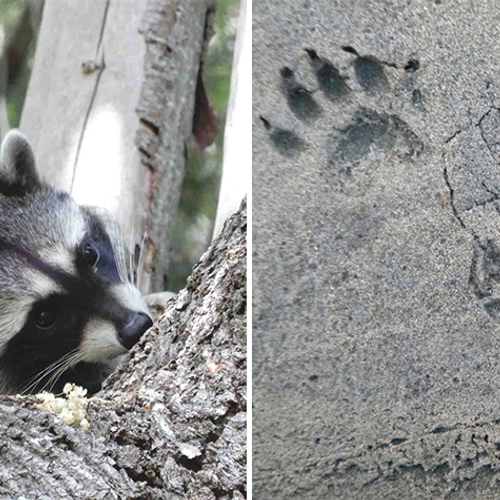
{"x": 452, "y": 136}
{"x": 452, "y": 199}
{"x": 495, "y": 195}
{"x": 481, "y": 131}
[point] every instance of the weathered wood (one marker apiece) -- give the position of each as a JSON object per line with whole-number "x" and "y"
{"x": 169, "y": 424}
{"x": 174, "y": 34}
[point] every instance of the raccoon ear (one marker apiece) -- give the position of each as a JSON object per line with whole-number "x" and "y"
{"x": 18, "y": 173}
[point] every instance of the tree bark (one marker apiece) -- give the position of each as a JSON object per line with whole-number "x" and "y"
{"x": 171, "y": 423}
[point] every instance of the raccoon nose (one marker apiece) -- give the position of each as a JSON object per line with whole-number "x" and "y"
{"x": 139, "y": 323}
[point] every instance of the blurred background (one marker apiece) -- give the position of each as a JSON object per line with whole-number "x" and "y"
{"x": 19, "y": 25}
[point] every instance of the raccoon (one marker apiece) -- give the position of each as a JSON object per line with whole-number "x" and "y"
{"x": 68, "y": 308}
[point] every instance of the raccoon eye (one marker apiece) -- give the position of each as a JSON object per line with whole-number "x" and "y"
{"x": 90, "y": 254}
{"x": 46, "y": 319}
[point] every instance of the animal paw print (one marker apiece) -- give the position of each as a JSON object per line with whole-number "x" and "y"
{"x": 369, "y": 130}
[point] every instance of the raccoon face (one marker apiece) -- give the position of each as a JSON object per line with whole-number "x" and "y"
{"x": 67, "y": 307}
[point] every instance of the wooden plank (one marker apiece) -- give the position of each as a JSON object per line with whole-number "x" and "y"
{"x": 82, "y": 123}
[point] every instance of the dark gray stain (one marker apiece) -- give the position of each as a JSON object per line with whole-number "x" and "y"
{"x": 369, "y": 71}
{"x": 330, "y": 81}
{"x": 300, "y": 100}
{"x": 369, "y": 130}
{"x": 412, "y": 65}
{"x": 287, "y": 143}
{"x": 493, "y": 308}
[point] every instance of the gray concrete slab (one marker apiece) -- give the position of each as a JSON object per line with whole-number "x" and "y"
{"x": 376, "y": 249}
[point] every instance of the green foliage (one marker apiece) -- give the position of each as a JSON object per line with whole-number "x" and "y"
{"x": 16, "y": 32}
{"x": 16, "y": 93}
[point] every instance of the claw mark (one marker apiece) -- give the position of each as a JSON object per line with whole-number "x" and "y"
{"x": 300, "y": 100}
{"x": 412, "y": 65}
{"x": 417, "y": 99}
{"x": 493, "y": 308}
{"x": 330, "y": 81}
{"x": 485, "y": 273}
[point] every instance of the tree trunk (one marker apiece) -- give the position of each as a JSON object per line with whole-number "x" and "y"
{"x": 171, "y": 423}
{"x": 110, "y": 106}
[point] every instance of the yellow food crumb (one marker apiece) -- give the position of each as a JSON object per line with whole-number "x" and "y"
{"x": 71, "y": 409}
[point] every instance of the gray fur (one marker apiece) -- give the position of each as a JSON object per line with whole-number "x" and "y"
{"x": 17, "y": 163}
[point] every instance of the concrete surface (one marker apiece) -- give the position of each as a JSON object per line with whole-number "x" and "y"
{"x": 376, "y": 249}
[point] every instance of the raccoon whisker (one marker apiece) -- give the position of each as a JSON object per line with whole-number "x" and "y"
{"x": 140, "y": 263}
{"x": 131, "y": 268}
{"x": 59, "y": 370}
{"x": 117, "y": 257}
{"x": 118, "y": 245}
{"x": 122, "y": 262}
{"x": 134, "y": 270}
{"x": 34, "y": 381}
{"x": 131, "y": 254}
{"x": 72, "y": 361}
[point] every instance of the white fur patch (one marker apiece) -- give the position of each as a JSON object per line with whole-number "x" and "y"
{"x": 100, "y": 338}
{"x": 41, "y": 285}
{"x": 13, "y": 321}
{"x": 59, "y": 257}
{"x": 130, "y": 297}
{"x": 100, "y": 341}
{"x": 75, "y": 226}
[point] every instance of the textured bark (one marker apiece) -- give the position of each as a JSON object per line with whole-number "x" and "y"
{"x": 174, "y": 33}
{"x": 168, "y": 424}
